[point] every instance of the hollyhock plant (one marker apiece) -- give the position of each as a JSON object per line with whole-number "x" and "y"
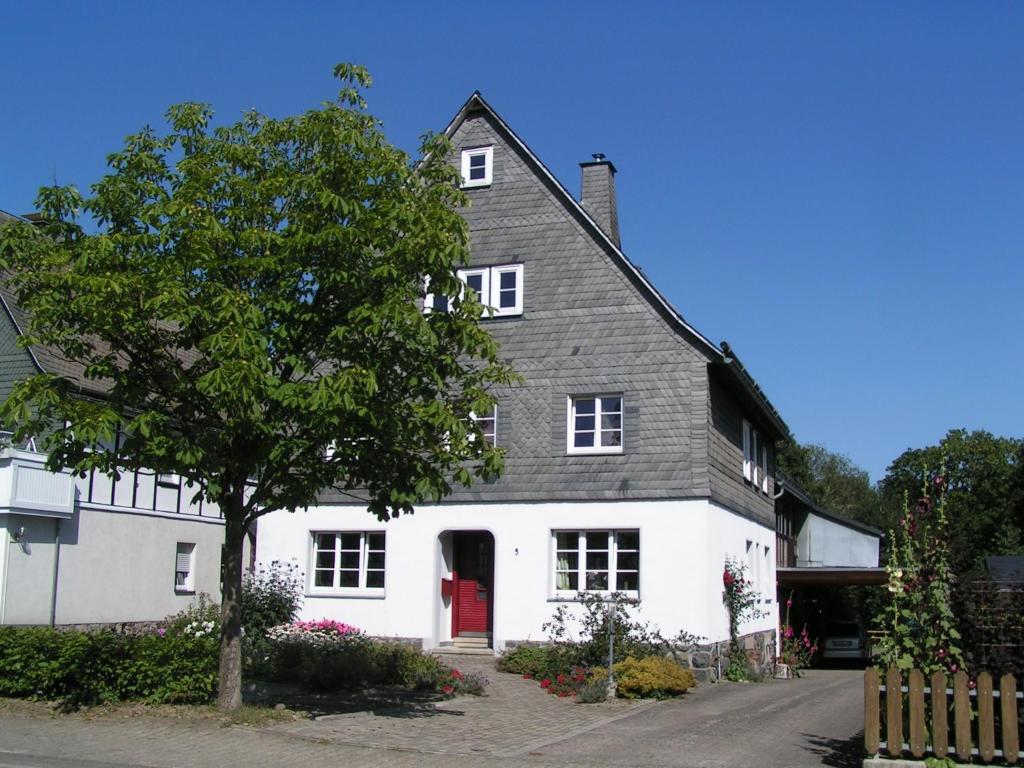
{"x": 920, "y": 628}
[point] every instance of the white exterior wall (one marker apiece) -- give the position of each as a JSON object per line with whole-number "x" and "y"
{"x": 116, "y": 563}
{"x": 825, "y": 543}
{"x": 683, "y": 545}
{"x": 115, "y": 566}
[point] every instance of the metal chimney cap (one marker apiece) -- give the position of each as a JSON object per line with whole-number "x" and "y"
{"x": 598, "y": 157}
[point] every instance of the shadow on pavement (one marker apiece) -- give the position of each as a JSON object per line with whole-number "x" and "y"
{"x": 838, "y": 753}
{"x": 380, "y": 702}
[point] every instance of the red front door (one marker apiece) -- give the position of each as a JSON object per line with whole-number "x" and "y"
{"x": 472, "y": 578}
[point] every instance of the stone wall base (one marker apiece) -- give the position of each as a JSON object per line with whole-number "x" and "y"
{"x": 708, "y": 661}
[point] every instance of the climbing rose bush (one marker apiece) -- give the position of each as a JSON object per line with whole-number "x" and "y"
{"x": 740, "y": 600}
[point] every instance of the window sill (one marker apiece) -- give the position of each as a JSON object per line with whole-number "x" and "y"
{"x": 184, "y": 591}
{"x": 476, "y": 184}
{"x": 598, "y": 452}
{"x": 359, "y": 594}
{"x": 573, "y": 597}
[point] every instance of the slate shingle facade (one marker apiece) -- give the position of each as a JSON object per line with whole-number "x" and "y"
{"x": 589, "y": 326}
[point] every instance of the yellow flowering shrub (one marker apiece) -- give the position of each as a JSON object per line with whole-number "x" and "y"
{"x": 654, "y": 677}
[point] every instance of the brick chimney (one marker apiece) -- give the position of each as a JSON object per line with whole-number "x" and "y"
{"x": 598, "y": 195}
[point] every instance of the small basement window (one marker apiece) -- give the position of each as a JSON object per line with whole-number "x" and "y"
{"x": 184, "y": 567}
{"x": 477, "y": 166}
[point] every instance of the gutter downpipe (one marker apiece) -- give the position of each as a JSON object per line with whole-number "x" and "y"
{"x": 56, "y": 571}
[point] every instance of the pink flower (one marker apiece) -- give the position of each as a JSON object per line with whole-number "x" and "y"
{"x": 942, "y": 653}
{"x": 456, "y": 674}
{"x": 448, "y": 689}
{"x": 161, "y": 631}
{"x": 789, "y": 603}
{"x": 788, "y": 632}
{"x": 727, "y": 578}
{"x": 545, "y": 683}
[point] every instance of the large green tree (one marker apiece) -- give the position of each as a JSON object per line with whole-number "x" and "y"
{"x": 985, "y": 498}
{"x": 247, "y": 298}
{"x": 832, "y": 480}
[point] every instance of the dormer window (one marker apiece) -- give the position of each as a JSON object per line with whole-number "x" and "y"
{"x": 477, "y": 165}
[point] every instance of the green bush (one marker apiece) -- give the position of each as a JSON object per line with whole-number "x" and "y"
{"x": 349, "y": 662}
{"x": 652, "y": 677}
{"x": 85, "y": 668}
{"x": 271, "y": 596}
{"x": 538, "y": 661}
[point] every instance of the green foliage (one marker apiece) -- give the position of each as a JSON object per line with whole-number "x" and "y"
{"x": 538, "y": 661}
{"x": 833, "y": 481}
{"x": 984, "y": 498}
{"x": 920, "y": 628}
{"x": 593, "y": 692}
{"x": 583, "y": 639}
{"x": 797, "y": 649}
{"x": 653, "y": 677}
{"x": 740, "y": 600}
{"x": 354, "y": 661}
{"x": 85, "y": 668}
{"x": 247, "y": 302}
{"x": 271, "y": 596}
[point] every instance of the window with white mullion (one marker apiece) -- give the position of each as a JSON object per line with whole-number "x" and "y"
{"x": 597, "y": 561}
{"x": 567, "y": 561}
{"x": 488, "y": 425}
{"x": 348, "y": 560}
{"x": 627, "y": 561}
{"x": 595, "y": 424}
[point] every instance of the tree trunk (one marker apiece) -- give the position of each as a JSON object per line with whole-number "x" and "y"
{"x": 229, "y": 691}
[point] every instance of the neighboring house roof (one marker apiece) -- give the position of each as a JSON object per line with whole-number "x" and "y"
{"x": 1006, "y": 569}
{"x": 722, "y": 356}
{"x": 790, "y": 487}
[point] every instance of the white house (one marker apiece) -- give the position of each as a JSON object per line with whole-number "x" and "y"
{"x": 640, "y": 455}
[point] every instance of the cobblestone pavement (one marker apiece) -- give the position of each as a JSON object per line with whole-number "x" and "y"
{"x": 813, "y": 721}
{"x": 514, "y": 718}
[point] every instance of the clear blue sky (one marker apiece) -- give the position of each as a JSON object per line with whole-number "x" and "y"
{"x": 837, "y": 189}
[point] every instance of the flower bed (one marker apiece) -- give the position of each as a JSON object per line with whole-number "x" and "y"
{"x": 327, "y": 655}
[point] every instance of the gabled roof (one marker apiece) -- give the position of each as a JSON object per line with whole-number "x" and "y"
{"x": 722, "y": 356}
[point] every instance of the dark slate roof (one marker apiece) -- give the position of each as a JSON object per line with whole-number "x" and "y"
{"x": 723, "y": 356}
{"x": 46, "y": 359}
{"x": 790, "y": 487}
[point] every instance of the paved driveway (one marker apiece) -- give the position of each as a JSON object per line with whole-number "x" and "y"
{"x": 813, "y": 721}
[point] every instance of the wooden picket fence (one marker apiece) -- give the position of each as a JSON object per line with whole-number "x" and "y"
{"x": 988, "y": 728}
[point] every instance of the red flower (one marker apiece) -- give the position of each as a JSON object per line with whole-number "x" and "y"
{"x": 527, "y": 676}
{"x": 456, "y": 674}
{"x": 545, "y": 683}
{"x": 448, "y": 689}
{"x": 727, "y": 578}
{"x": 560, "y": 679}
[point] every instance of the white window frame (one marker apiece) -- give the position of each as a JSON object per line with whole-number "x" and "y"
{"x": 748, "y": 464}
{"x": 570, "y": 428}
{"x": 490, "y": 437}
{"x": 490, "y": 294}
{"x": 764, "y": 468}
{"x": 185, "y": 562}
{"x": 490, "y": 290}
{"x": 613, "y": 550}
{"x": 467, "y": 155}
{"x": 363, "y": 568}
